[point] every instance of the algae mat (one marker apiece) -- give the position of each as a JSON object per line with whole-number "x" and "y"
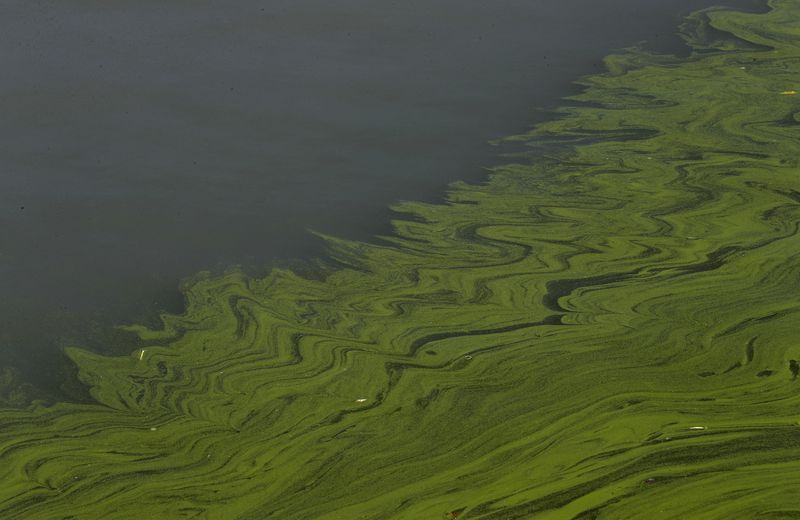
{"x": 606, "y": 333}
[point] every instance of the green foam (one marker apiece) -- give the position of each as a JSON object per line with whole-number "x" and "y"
{"x": 606, "y": 333}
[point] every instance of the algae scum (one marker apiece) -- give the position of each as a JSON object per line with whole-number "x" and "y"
{"x": 607, "y": 333}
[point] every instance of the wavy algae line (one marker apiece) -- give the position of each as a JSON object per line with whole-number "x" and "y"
{"x": 606, "y": 333}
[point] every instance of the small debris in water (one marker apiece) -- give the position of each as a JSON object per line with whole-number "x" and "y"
{"x": 697, "y": 427}
{"x": 362, "y": 400}
{"x": 789, "y": 93}
{"x": 141, "y": 355}
{"x": 153, "y": 429}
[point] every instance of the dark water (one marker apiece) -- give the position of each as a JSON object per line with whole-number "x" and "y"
{"x": 144, "y": 141}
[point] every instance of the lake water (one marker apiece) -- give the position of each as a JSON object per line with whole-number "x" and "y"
{"x": 603, "y": 327}
{"x": 143, "y": 141}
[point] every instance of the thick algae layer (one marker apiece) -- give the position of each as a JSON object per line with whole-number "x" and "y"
{"x": 610, "y": 333}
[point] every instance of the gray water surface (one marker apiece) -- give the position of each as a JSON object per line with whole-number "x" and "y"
{"x": 143, "y": 141}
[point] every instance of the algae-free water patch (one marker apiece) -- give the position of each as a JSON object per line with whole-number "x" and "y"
{"x": 610, "y": 333}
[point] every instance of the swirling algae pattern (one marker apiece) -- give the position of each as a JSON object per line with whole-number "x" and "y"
{"x": 609, "y": 331}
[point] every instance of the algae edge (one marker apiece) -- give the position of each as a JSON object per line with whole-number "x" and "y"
{"x": 609, "y": 333}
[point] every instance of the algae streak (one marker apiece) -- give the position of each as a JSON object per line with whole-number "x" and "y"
{"x": 611, "y": 333}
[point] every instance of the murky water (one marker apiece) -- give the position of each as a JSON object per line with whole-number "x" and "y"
{"x": 143, "y": 141}
{"x": 604, "y": 331}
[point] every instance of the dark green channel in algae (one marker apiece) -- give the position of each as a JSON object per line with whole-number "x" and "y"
{"x": 607, "y": 333}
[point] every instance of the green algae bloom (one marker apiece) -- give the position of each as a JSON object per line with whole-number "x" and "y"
{"x": 610, "y": 332}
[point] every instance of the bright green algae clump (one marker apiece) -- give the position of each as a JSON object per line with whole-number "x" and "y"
{"x": 611, "y": 333}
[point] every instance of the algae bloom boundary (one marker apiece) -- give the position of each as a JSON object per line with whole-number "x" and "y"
{"x": 605, "y": 333}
